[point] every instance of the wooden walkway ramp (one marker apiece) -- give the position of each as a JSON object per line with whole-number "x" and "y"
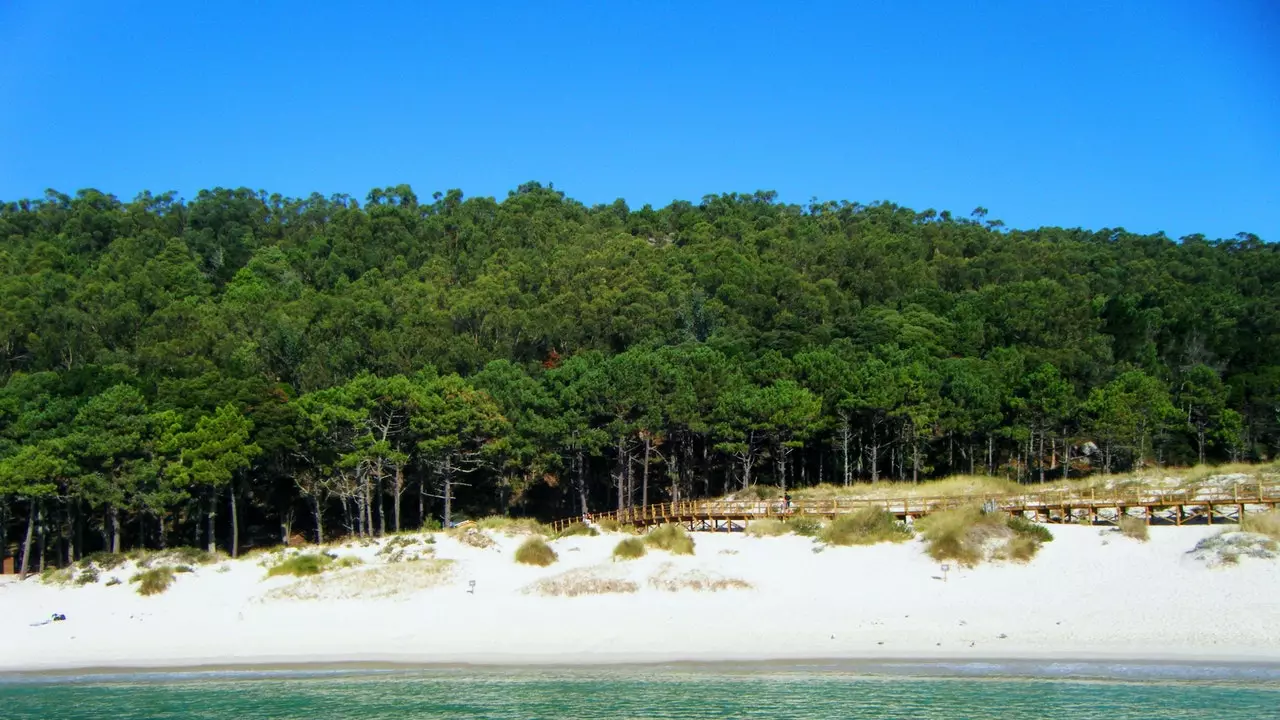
{"x": 1175, "y": 507}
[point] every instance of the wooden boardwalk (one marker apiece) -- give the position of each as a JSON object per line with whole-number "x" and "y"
{"x": 1175, "y": 507}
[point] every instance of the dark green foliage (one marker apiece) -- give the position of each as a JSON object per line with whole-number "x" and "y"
{"x": 153, "y": 581}
{"x": 537, "y": 357}
{"x": 806, "y": 526}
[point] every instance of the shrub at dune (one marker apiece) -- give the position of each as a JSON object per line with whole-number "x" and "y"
{"x": 302, "y": 565}
{"x": 671, "y": 538}
{"x": 1263, "y": 524}
{"x": 865, "y": 527}
{"x": 968, "y": 536}
{"x": 535, "y": 551}
{"x": 767, "y": 527}
{"x": 629, "y": 549}
{"x": 153, "y": 581}
{"x": 576, "y": 529}
{"x": 1132, "y": 527}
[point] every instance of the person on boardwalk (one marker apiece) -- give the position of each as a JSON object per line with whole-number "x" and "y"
{"x": 786, "y": 503}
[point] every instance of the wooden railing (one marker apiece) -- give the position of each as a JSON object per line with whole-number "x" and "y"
{"x": 1251, "y": 494}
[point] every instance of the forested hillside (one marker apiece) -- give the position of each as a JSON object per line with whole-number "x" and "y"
{"x": 243, "y": 363}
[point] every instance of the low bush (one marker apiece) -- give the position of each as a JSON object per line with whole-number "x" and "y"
{"x": 535, "y": 551}
{"x": 1020, "y": 548}
{"x": 183, "y": 569}
{"x": 577, "y": 528}
{"x": 961, "y": 534}
{"x": 348, "y": 561}
{"x": 154, "y": 580}
{"x": 1132, "y": 527}
{"x": 629, "y": 549}
{"x": 88, "y": 576}
{"x": 104, "y": 560}
{"x": 113, "y": 582}
{"x": 57, "y": 575}
{"x": 611, "y": 525}
{"x": 432, "y": 525}
{"x": 867, "y": 526}
{"x": 671, "y": 538}
{"x": 767, "y": 527}
{"x": 1027, "y": 528}
{"x": 1262, "y": 523}
{"x": 301, "y": 565}
{"x": 471, "y": 536}
{"x": 1226, "y": 548}
{"x": 514, "y": 526}
{"x": 805, "y": 526}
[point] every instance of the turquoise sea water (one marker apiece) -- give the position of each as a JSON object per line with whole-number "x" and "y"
{"x": 990, "y": 691}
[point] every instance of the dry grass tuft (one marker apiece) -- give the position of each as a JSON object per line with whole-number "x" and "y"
{"x": 611, "y": 525}
{"x": 629, "y": 549}
{"x": 867, "y": 526}
{"x": 472, "y": 536}
{"x": 1226, "y": 548}
{"x": 671, "y": 538}
{"x": 583, "y": 581}
{"x": 968, "y": 536}
{"x": 301, "y": 565}
{"x": 535, "y": 551}
{"x": 514, "y": 526}
{"x": 381, "y": 581}
{"x": 577, "y": 528}
{"x": 1132, "y": 527}
{"x": 767, "y": 527}
{"x": 1262, "y": 524}
{"x": 666, "y": 579}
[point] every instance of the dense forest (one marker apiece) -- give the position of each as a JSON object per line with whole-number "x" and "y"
{"x": 243, "y": 366}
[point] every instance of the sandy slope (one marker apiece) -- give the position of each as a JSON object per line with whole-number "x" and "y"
{"x": 1089, "y": 594}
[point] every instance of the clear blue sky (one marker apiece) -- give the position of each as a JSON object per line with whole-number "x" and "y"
{"x": 1161, "y": 115}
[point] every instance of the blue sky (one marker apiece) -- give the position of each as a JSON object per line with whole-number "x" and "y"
{"x": 1152, "y": 116}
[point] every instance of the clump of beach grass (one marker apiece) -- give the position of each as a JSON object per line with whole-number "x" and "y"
{"x": 379, "y": 581}
{"x": 577, "y": 528}
{"x": 766, "y": 527}
{"x": 535, "y": 551}
{"x": 1267, "y": 523}
{"x": 88, "y": 576}
{"x": 611, "y": 525}
{"x": 1226, "y": 548}
{"x": 472, "y": 536}
{"x": 867, "y": 526}
{"x": 1132, "y": 527}
{"x": 302, "y": 565}
{"x": 629, "y": 549}
{"x": 153, "y": 581}
{"x": 968, "y": 536}
{"x": 583, "y": 581}
{"x": 671, "y": 538}
{"x": 804, "y": 526}
{"x": 514, "y": 526}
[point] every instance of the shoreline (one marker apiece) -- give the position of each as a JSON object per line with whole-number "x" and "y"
{"x": 1081, "y": 668}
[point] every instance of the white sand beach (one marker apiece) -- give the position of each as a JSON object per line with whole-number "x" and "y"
{"x": 1089, "y": 594}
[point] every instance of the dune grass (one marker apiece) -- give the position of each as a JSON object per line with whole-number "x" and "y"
{"x": 153, "y": 581}
{"x": 514, "y": 526}
{"x": 968, "y": 536}
{"x": 1267, "y": 523}
{"x": 472, "y": 536}
{"x": 867, "y": 526}
{"x": 696, "y": 580}
{"x": 629, "y": 549}
{"x": 804, "y": 525}
{"x": 1132, "y": 527}
{"x": 578, "y": 529}
{"x": 535, "y": 551}
{"x": 611, "y": 525}
{"x": 671, "y": 538}
{"x": 766, "y": 527}
{"x": 302, "y": 565}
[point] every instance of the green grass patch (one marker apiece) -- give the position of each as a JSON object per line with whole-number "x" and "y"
{"x": 56, "y": 576}
{"x": 867, "y": 526}
{"x": 1027, "y": 528}
{"x": 535, "y": 551}
{"x": 514, "y": 526}
{"x": 301, "y": 565}
{"x": 962, "y": 534}
{"x": 103, "y": 560}
{"x": 805, "y": 526}
{"x": 671, "y": 538}
{"x": 153, "y": 581}
{"x": 629, "y": 549}
{"x": 88, "y": 576}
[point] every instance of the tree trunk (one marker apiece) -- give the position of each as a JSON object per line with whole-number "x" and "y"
{"x": 620, "y": 477}
{"x": 26, "y": 544}
{"x": 235, "y": 521}
{"x": 422, "y": 503}
{"x": 448, "y": 491}
{"x": 915, "y": 461}
{"x": 113, "y": 515}
{"x": 874, "y": 447}
{"x": 70, "y": 520}
{"x": 210, "y": 537}
{"x": 844, "y": 446}
{"x": 4, "y": 532}
{"x": 644, "y": 483}
{"x": 581, "y": 476}
{"x": 1040, "y": 458}
{"x": 1066, "y": 455}
{"x": 319, "y": 513}
{"x": 399, "y": 489}
{"x": 991, "y": 451}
